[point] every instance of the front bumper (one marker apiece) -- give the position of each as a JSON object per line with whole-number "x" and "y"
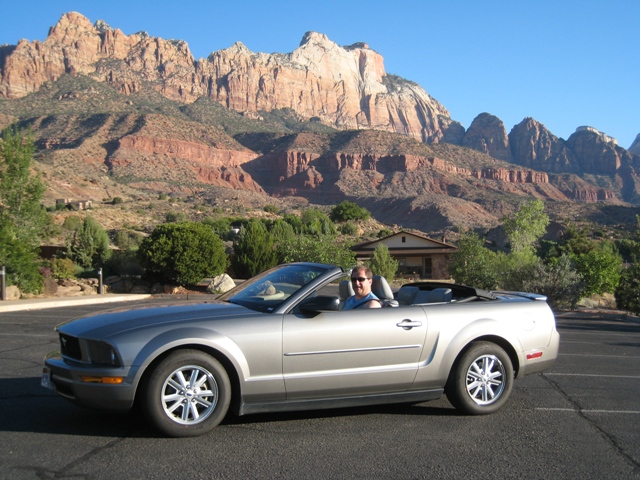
{"x": 66, "y": 378}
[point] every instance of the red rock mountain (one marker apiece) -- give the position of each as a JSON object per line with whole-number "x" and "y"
{"x": 394, "y": 148}
{"x": 345, "y": 87}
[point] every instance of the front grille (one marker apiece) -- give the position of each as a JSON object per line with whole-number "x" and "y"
{"x": 70, "y": 347}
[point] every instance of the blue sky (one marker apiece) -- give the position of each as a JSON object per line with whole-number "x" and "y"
{"x": 566, "y": 63}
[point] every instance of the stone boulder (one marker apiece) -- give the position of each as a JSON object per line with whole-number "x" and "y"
{"x": 220, "y": 284}
{"x": 13, "y": 292}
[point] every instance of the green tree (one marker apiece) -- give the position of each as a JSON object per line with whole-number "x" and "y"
{"x": 295, "y": 222}
{"x": 382, "y": 263}
{"x": 600, "y": 269}
{"x": 89, "y": 246}
{"x": 627, "y": 292}
{"x": 281, "y": 231}
{"x": 575, "y": 241}
{"x": 22, "y": 216}
{"x": 473, "y": 263}
{"x": 316, "y": 222}
{"x": 20, "y": 260}
{"x": 513, "y": 269}
{"x": 319, "y": 249}
{"x": 558, "y": 281}
{"x": 347, "y": 210}
{"x": 254, "y": 250}
{"x": 183, "y": 252}
{"x": 349, "y": 228}
{"x": 526, "y": 226}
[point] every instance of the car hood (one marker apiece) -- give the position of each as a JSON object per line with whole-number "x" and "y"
{"x": 113, "y": 322}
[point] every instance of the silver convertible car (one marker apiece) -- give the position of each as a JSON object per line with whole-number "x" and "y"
{"x": 280, "y": 342}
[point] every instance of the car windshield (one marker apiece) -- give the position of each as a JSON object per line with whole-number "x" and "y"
{"x": 270, "y": 289}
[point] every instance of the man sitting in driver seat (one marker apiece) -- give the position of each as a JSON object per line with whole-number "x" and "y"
{"x": 361, "y": 280}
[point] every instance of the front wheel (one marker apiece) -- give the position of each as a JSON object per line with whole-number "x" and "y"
{"x": 481, "y": 380}
{"x": 187, "y": 394}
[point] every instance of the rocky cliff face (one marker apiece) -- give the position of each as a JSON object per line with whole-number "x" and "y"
{"x": 488, "y": 135}
{"x": 533, "y": 146}
{"x": 635, "y": 146}
{"x": 345, "y": 87}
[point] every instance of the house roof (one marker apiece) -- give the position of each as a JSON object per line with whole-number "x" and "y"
{"x": 413, "y": 243}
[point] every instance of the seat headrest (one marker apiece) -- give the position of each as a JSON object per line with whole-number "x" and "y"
{"x": 437, "y": 295}
{"x": 407, "y": 294}
{"x": 381, "y": 288}
{"x": 345, "y": 289}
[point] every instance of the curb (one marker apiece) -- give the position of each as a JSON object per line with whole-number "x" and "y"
{"x": 41, "y": 303}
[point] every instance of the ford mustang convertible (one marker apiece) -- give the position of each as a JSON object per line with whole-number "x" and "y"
{"x": 280, "y": 342}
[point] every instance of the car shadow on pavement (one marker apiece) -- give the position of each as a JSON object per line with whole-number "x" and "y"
{"x": 29, "y": 407}
{"x": 435, "y": 408}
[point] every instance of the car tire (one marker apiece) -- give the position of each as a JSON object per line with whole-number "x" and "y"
{"x": 481, "y": 379}
{"x": 187, "y": 394}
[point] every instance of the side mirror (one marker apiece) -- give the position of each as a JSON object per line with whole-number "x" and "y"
{"x": 320, "y": 303}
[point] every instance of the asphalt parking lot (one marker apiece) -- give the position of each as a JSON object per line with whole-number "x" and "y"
{"x": 581, "y": 419}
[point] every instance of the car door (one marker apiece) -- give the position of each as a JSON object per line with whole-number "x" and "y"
{"x": 352, "y": 352}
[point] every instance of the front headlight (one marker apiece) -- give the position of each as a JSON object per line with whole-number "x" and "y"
{"x": 101, "y": 353}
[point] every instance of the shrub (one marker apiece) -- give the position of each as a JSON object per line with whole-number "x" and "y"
{"x": 558, "y": 280}
{"x": 349, "y": 228}
{"x": 127, "y": 240}
{"x": 183, "y": 252}
{"x": 347, "y": 210}
{"x": 316, "y": 222}
{"x": 271, "y": 209}
{"x": 72, "y": 223}
{"x": 175, "y": 217}
{"x": 628, "y": 290}
{"x": 116, "y": 200}
{"x": 63, "y": 268}
{"x": 282, "y": 231}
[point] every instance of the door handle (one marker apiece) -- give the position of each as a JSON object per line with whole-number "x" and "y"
{"x": 407, "y": 324}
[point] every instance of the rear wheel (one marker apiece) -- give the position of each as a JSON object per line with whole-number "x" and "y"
{"x": 187, "y": 394}
{"x": 481, "y": 379}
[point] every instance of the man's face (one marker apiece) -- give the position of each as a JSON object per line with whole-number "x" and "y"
{"x": 360, "y": 283}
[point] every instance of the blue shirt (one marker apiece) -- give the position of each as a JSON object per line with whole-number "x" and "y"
{"x": 351, "y": 302}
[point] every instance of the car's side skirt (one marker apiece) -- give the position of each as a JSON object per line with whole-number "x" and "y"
{"x": 340, "y": 402}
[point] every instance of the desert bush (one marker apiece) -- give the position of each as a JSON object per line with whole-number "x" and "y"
{"x": 558, "y": 281}
{"x": 347, "y": 210}
{"x": 271, "y": 209}
{"x": 63, "y": 268}
{"x": 349, "y": 228}
{"x": 72, "y": 223}
{"x": 183, "y": 252}
{"x": 175, "y": 217}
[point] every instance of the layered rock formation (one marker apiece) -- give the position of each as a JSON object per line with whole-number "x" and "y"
{"x": 488, "y": 135}
{"x": 346, "y": 87}
{"x": 635, "y": 146}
